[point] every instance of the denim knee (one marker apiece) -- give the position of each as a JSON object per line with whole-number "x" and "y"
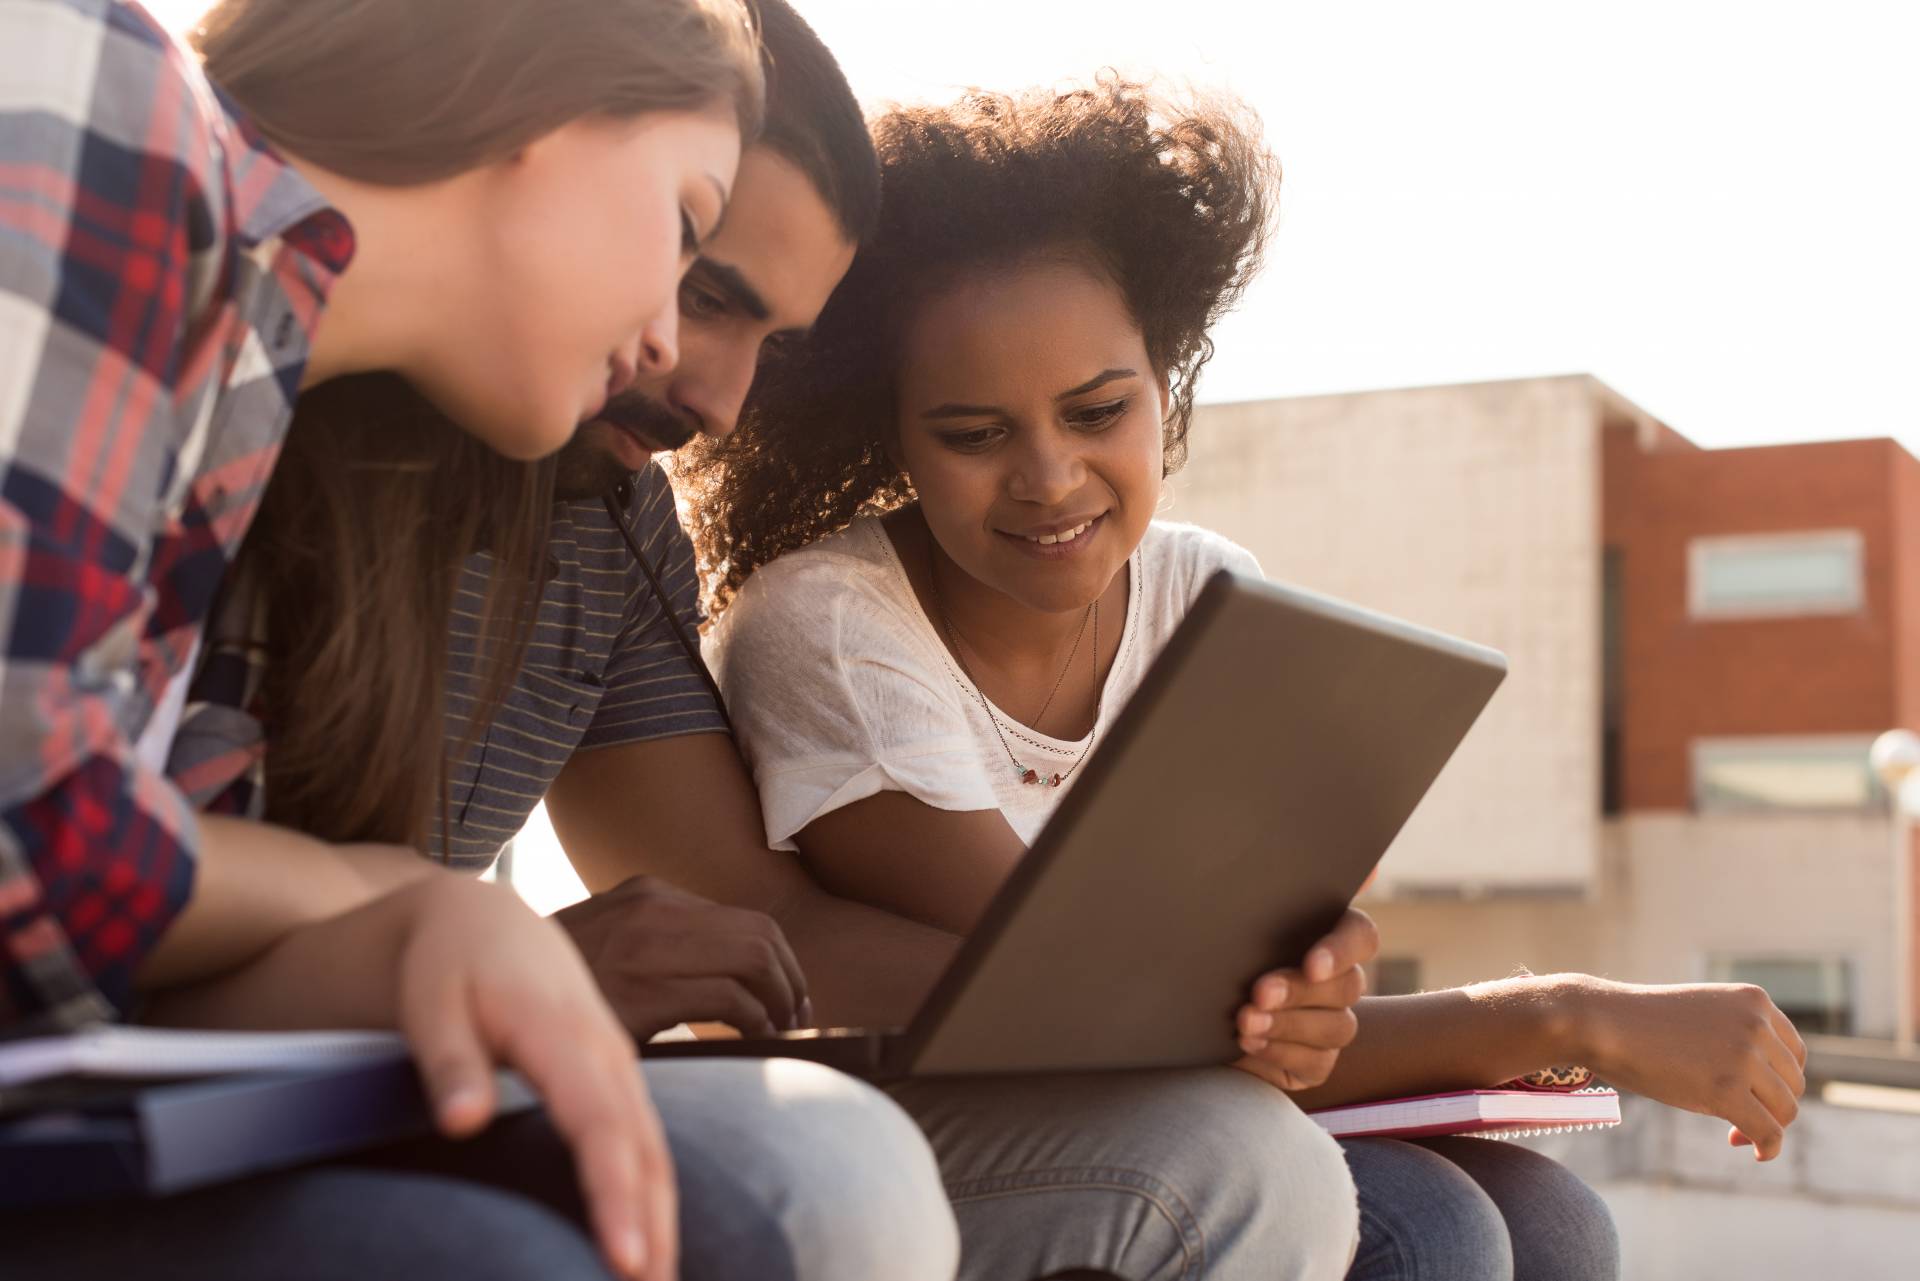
{"x": 1144, "y": 1176}
{"x": 1268, "y": 1188}
{"x": 831, "y": 1164}
{"x": 1560, "y": 1229}
{"x": 1307, "y": 1221}
{"x": 1422, "y": 1218}
{"x": 465, "y": 1231}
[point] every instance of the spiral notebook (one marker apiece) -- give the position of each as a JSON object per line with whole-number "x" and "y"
{"x": 1490, "y": 1114}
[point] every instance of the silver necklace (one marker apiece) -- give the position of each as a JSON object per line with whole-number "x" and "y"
{"x": 1028, "y": 776}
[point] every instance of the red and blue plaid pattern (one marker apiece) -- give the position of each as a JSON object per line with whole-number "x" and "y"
{"x": 160, "y": 275}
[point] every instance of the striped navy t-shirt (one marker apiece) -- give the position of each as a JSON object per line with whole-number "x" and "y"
{"x": 602, "y": 666}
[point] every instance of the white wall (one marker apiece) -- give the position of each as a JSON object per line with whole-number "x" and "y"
{"x": 1841, "y": 1201}
{"x": 1686, "y": 1234}
{"x": 1471, "y": 509}
{"x": 1790, "y": 885}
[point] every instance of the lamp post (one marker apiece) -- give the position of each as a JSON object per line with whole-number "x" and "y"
{"x": 1896, "y": 759}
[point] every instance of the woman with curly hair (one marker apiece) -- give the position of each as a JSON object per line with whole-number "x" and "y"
{"x": 935, "y": 546}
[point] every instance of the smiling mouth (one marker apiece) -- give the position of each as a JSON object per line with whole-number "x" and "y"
{"x": 1056, "y": 542}
{"x": 1064, "y": 536}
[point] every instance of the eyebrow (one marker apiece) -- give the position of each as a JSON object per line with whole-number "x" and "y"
{"x": 731, "y": 282}
{"x": 1094, "y": 383}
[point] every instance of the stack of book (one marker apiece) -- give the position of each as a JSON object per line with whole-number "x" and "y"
{"x": 125, "y": 1111}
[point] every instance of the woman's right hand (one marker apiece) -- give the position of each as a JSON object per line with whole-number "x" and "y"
{"x": 1722, "y": 1049}
{"x": 481, "y": 980}
{"x": 1297, "y": 1021}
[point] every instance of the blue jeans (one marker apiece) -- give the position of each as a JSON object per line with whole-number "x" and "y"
{"x": 786, "y": 1171}
{"x": 1199, "y": 1175}
{"x": 1462, "y": 1209}
{"x": 1211, "y": 1175}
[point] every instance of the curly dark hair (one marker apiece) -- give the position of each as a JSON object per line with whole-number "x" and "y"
{"x": 1173, "y": 200}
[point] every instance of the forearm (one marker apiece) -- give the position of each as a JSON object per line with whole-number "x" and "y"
{"x": 1464, "y": 1038}
{"x": 685, "y": 810}
{"x": 864, "y": 967}
{"x": 338, "y": 972}
{"x": 254, "y": 883}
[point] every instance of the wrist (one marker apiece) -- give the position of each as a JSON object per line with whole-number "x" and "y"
{"x": 1580, "y": 1020}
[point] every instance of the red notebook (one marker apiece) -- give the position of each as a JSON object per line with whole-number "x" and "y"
{"x": 1492, "y": 1114}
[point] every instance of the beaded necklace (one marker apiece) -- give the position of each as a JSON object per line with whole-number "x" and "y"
{"x": 1028, "y": 776}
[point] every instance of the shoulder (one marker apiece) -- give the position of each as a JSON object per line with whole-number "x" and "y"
{"x": 107, "y": 122}
{"x": 645, "y": 502}
{"x": 842, "y": 590}
{"x": 1174, "y": 562}
{"x": 838, "y": 621}
{"x": 110, "y": 71}
{"x": 650, "y": 501}
{"x": 852, "y": 570}
{"x": 1185, "y": 556}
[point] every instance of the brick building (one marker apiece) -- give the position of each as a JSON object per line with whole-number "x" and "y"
{"x": 1674, "y": 783}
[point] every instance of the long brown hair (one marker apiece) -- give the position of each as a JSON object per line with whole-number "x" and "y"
{"x": 411, "y": 91}
{"x": 1172, "y": 198}
{"x": 377, "y": 501}
{"x": 351, "y": 569}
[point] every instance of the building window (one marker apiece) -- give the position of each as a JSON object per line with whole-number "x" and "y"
{"x": 1815, "y": 992}
{"x": 1776, "y": 575}
{"x": 1612, "y": 682}
{"x": 1396, "y": 976}
{"x": 1745, "y": 775}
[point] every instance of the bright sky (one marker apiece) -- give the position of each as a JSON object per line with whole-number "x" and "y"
{"x": 1711, "y": 206}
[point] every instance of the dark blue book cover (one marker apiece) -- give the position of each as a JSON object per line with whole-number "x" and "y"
{"x": 154, "y": 1140}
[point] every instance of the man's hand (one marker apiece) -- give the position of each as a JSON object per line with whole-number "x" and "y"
{"x": 1299, "y": 1020}
{"x": 663, "y": 956}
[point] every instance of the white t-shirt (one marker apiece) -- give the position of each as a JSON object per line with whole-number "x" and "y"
{"x": 840, "y": 687}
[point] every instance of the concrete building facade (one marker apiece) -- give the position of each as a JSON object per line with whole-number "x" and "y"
{"x": 1673, "y": 784}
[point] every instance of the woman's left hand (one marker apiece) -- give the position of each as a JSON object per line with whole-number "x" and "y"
{"x": 1298, "y": 1020}
{"x": 1721, "y": 1049}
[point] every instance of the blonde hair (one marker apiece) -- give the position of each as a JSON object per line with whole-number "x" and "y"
{"x": 377, "y": 501}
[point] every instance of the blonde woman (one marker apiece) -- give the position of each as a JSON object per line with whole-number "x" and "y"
{"x": 494, "y": 201}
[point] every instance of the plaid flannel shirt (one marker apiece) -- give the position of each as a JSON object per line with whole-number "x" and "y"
{"x": 161, "y": 273}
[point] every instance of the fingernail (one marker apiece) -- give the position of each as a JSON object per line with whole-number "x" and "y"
{"x": 632, "y": 1247}
{"x": 806, "y": 1012}
{"x": 1320, "y": 962}
{"x": 1259, "y": 1024}
{"x": 1275, "y": 995}
{"x": 459, "y": 1104}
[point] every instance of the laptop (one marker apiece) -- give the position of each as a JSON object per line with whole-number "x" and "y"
{"x": 1240, "y": 800}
